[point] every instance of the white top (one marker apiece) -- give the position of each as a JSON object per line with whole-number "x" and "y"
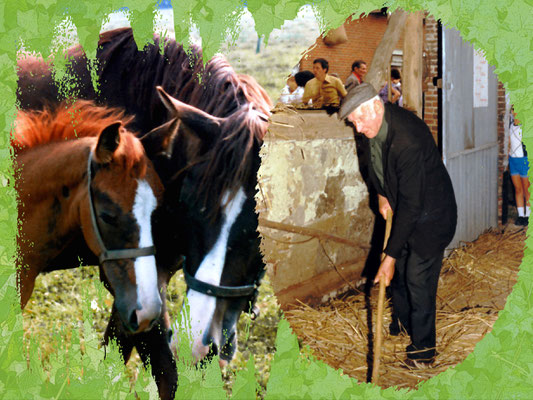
{"x": 290, "y": 98}
{"x": 515, "y": 135}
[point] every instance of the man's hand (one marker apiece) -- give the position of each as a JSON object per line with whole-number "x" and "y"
{"x": 383, "y": 206}
{"x": 386, "y": 270}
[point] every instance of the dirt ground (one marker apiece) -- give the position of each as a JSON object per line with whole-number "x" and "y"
{"x": 473, "y": 287}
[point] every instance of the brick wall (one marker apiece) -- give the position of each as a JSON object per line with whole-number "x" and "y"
{"x": 431, "y": 66}
{"x": 502, "y": 153}
{"x": 364, "y": 35}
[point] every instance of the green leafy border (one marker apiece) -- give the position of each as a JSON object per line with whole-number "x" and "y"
{"x": 501, "y": 365}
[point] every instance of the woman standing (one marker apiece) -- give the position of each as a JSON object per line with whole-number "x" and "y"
{"x": 518, "y": 167}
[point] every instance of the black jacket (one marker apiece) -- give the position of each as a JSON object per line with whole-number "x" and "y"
{"x": 417, "y": 186}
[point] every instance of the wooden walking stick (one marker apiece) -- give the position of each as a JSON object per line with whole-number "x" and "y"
{"x": 381, "y": 301}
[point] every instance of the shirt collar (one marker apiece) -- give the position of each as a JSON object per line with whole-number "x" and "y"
{"x": 382, "y": 133}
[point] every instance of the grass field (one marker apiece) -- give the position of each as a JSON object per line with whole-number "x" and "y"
{"x": 275, "y": 61}
{"x": 60, "y": 298}
{"x": 57, "y": 302}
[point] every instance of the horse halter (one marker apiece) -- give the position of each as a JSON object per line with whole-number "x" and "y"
{"x": 105, "y": 254}
{"x": 226, "y": 291}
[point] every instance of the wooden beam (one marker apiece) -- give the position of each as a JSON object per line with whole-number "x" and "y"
{"x": 301, "y": 230}
{"x": 413, "y": 62}
{"x": 377, "y": 73}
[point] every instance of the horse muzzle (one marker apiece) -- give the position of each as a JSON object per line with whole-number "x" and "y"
{"x": 204, "y": 353}
{"x": 145, "y": 318}
{"x": 137, "y": 318}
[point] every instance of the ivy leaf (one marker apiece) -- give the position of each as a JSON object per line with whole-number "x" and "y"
{"x": 245, "y": 386}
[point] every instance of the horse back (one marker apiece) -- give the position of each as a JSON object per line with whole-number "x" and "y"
{"x": 37, "y": 88}
{"x": 127, "y": 78}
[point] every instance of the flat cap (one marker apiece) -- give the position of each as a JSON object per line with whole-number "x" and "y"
{"x": 356, "y": 96}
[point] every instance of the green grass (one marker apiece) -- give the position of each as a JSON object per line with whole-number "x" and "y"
{"x": 57, "y": 304}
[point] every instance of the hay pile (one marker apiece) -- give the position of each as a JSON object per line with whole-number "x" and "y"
{"x": 473, "y": 286}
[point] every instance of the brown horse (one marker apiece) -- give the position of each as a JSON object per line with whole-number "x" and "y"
{"x": 87, "y": 190}
{"x": 208, "y": 212}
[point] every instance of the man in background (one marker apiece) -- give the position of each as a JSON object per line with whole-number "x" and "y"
{"x": 323, "y": 90}
{"x": 359, "y": 70}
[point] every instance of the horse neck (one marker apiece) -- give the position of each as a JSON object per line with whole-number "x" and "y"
{"x": 55, "y": 172}
{"x": 175, "y": 71}
{"x": 118, "y": 53}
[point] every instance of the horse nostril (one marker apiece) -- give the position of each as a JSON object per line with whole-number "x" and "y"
{"x": 204, "y": 360}
{"x": 133, "y": 322}
{"x": 214, "y": 349}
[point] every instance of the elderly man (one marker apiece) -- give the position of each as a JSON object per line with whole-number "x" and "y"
{"x": 324, "y": 90}
{"x": 407, "y": 172}
{"x": 357, "y": 75}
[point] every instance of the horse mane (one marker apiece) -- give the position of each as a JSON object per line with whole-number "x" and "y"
{"x": 218, "y": 90}
{"x": 77, "y": 120}
{"x": 214, "y": 88}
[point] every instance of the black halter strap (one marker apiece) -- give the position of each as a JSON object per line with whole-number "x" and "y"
{"x": 217, "y": 290}
{"x": 224, "y": 291}
{"x": 105, "y": 254}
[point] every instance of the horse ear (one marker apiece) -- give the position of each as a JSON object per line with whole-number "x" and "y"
{"x": 159, "y": 139}
{"x": 201, "y": 124}
{"x": 108, "y": 142}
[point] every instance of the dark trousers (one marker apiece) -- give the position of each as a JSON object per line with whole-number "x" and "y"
{"x": 414, "y": 292}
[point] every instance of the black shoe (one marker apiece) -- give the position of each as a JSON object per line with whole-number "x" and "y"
{"x": 521, "y": 221}
{"x": 426, "y": 355}
{"x": 418, "y": 364}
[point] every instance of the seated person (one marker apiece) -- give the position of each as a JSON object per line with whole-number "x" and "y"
{"x": 291, "y": 93}
{"x": 303, "y": 77}
{"x": 323, "y": 90}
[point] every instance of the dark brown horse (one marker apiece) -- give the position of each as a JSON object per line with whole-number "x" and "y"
{"x": 208, "y": 212}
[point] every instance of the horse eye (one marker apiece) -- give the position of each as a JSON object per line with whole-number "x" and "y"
{"x": 108, "y": 218}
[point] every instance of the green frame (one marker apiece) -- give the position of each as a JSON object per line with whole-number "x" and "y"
{"x": 501, "y": 365}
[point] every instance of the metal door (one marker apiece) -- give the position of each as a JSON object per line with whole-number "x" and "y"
{"x": 469, "y": 135}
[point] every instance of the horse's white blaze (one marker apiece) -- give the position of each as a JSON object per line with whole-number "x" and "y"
{"x": 145, "y": 269}
{"x": 202, "y": 307}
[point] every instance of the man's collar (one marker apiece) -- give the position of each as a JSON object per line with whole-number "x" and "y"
{"x": 382, "y": 133}
{"x": 357, "y": 76}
